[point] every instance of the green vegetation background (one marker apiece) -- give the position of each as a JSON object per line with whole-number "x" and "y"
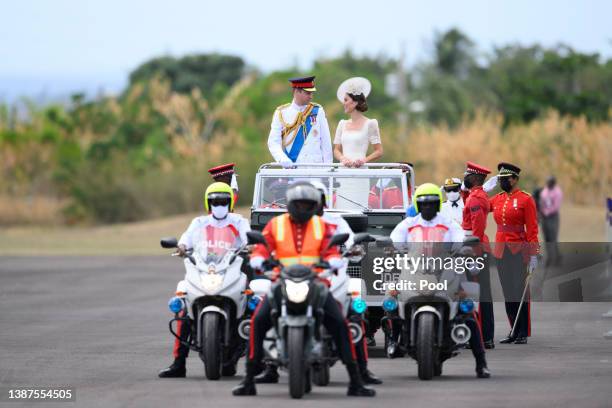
{"x": 144, "y": 153}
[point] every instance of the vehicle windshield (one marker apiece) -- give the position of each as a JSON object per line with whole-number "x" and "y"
{"x": 353, "y": 193}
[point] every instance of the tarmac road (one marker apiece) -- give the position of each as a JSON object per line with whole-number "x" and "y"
{"x": 99, "y": 324}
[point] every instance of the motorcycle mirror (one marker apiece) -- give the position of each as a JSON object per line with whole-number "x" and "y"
{"x": 363, "y": 237}
{"x": 169, "y": 242}
{"x": 383, "y": 242}
{"x": 338, "y": 239}
{"x": 471, "y": 241}
{"x": 256, "y": 237}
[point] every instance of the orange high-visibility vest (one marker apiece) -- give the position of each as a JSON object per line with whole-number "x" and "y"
{"x": 286, "y": 251}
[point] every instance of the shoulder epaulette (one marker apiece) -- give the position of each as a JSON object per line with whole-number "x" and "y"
{"x": 523, "y": 191}
{"x": 282, "y": 106}
{"x": 315, "y": 104}
{"x": 500, "y": 193}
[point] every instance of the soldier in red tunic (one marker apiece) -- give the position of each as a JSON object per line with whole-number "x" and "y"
{"x": 475, "y": 213}
{"x": 516, "y": 247}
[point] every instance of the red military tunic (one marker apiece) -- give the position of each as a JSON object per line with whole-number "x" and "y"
{"x": 517, "y": 223}
{"x": 475, "y": 214}
{"x": 391, "y": 198}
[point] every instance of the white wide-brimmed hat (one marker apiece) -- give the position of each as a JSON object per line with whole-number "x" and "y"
{"x": 354, "y": 86}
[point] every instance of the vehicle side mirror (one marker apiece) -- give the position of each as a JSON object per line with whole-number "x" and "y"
{"x": 471, "y": 241}
{"x": 256, "y": 237}
{"x": 338, "y": 239}
{"x": 363, "y": 237}
{"x": 168, "y": 242}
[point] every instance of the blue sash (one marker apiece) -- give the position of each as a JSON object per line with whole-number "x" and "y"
{"x": 300, "y": 137}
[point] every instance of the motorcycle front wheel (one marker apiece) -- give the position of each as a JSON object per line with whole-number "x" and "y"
{"x": 212, "y": 346}
{"x": 297, "y": 365}
{"x": 425, "y": 347}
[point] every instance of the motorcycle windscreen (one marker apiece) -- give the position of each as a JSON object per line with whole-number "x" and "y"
{"x": 214, "y": 242}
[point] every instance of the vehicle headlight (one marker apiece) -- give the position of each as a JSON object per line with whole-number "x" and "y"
{"x": 357, "y": 253}
{"x": 175, "y": 304}
{"x": 253, "y": 302}
{"x": 211, "y": 282}
{"x": 466, "y": 306}
{"x": 389, "y": 304}
{"x": 359, "y": 305}
{"x": 296, "y": 291}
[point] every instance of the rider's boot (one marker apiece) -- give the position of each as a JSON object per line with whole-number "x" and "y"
{"x": 482, "y": 371}
{"x": 356, "y": 387}
{"x": 269, "y": 376}
{"x": 176, "y": 370}
{"x": 367, "y": 376}
{"x": 247, "y": 386}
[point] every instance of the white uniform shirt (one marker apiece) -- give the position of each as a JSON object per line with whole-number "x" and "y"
{"x": 195, "y": 230}
{"x": 452, "y": 212}
{"x": 401, "y": 233}
{"x": 342, "y": 226}
{"x": 317, "y": 147}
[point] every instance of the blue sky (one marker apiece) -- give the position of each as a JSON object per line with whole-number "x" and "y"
{"x": 65, "y": 45}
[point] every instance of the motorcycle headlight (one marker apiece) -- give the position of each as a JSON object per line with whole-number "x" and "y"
{"x": 296, "y": 291}
{"x": 175, "y": 304}
{"x": 466, "y": 306}
{"x": 359, "y": 305}
{"x": 357, "y": 253}
{"x": 389, "y": 304}
{"x": 211, "y": 282}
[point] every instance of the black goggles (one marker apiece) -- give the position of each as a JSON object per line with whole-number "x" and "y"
{"x": 219, "y": 200}
{"x": 452, "y": 189}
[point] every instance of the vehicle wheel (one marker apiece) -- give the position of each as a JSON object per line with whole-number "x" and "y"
{"x": 438, "y": 369}
{"x": 212, "y": 346}
{"x": 425, "y": 346}
{"x": 229, "y": 370}
{"x": 320, "y": 375}
{"x": 297, "y": 366}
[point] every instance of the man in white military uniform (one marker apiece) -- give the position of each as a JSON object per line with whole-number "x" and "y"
{"x": 453, "y": 206}
{"x": 299, "y": 132}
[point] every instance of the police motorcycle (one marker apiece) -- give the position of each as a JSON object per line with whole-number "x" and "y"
{"x": 213, "y": 295}
{"x": 297, "y": 313}
{"x": 430, "y": 317}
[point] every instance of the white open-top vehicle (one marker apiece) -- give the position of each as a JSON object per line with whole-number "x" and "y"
{"x": 371, "y": 199}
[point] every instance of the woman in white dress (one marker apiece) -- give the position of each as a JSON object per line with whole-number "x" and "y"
{"x": 353, "y": 138}
{"x": 355, "y": 135}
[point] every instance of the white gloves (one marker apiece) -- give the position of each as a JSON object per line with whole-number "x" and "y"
{"x": 490, "y": 184}
{"x": 533, "y": 264}
{"x": 286, "y": 164}
{"x": 336, "y": 263}
{"x": 463, "y": 187}
{"x": 256, "y": 262}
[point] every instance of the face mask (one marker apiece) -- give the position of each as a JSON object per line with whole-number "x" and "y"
{"x": 505, "y": 185}
{"x": 220, "y": 211}
{"x": 452, "y": 195}
{"x": 467, "y": 183}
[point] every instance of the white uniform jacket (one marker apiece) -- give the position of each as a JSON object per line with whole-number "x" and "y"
{"x": 317, "y": 147}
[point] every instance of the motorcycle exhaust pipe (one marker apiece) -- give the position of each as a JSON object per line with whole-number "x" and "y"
{"x": 356, "y": 332}
{"x": 244, "y": 329}
{"x": 460, "y": 333}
